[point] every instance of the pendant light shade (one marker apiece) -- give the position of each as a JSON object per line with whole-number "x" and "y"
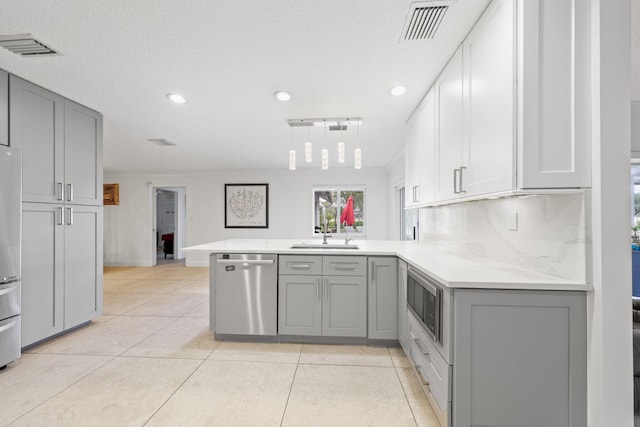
{"x": 340, "y": 152}
{"x": 325, "y": 158}
{"x": 292, "y": 160}
{"x": 308, "y": 152}
{"x": 358, "y": 159}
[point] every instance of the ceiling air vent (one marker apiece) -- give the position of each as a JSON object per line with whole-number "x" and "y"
{"x": 161, "y": 142}
{"x": 25, "y": 45}
{"x": 424, "y": 19}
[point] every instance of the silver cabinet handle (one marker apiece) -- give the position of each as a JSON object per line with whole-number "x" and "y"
{"x": 299, "y": 266}
{"x": 70, "y": 222}
{"x": 373, "y": 271}
{"x": 60, "y": 191}
{"x": 60, "y": 216}
{"x": 416, "y": 198}
{"x": 455, "y": 181}
{"x": 317, "y": 289}
{"x": 69, "y": 192}
{"x": 462, "y": 168}
{"x": 326, "y": 289}
{"x": 345, "y": 267}
{"x": 420, "y": 347}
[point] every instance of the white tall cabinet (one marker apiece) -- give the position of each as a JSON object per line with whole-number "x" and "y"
{"x": 61, "y": 142}
{"x": 4, "y": 108}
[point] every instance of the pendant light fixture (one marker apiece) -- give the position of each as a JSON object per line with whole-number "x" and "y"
{"x": 332, "y": 124}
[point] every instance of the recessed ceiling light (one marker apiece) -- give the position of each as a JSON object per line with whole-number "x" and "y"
{"x": 177, "y": 98}
{"x": 397, "y": 90}
{"x": 282, "y": 95}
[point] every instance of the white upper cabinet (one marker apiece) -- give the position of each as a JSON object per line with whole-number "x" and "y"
{"x": 511, "y": 107}
{"x": 489, "y": 102}
{"x": 420, "y": 142}
{"x": 4, "y": 108}
{"x": 449, "y": 130}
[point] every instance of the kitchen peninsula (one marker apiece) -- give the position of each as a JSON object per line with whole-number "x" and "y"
{"x": 508, "y": 341}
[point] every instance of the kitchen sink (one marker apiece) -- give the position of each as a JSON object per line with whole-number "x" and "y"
{"x": 323, "y": 246}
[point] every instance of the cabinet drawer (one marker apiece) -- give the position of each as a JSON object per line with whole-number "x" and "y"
{"x": 9, "y": 300}
{"x": 429, "y": 363}
{"x": 9, "y": 340}
{"x": 300, "y": 264}
{"x": 344, "y": 266}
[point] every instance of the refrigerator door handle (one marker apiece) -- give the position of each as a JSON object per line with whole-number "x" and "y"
{"x": 10, "y": 279}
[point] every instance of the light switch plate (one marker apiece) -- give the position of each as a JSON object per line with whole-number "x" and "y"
{"x": 512, "y": 221}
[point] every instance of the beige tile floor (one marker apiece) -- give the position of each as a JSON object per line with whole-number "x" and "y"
{"x": 151, "y": 360}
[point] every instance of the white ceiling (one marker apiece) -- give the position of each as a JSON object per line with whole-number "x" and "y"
{"x": 339, "y": 58}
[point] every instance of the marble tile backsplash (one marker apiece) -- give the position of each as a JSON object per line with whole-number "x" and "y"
{"x": 550, "y": 236}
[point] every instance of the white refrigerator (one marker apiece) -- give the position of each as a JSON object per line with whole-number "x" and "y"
{"x": 10, "y": 252}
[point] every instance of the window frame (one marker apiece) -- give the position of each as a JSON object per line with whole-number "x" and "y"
{"x": 339, "y": 189}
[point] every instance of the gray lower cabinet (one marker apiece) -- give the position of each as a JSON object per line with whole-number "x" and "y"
{"x": 4, "y": 108}
{"x": 311, "y": 304}
{"x": 519, "y": 358}
{"x": 383, "y": 298}
{"x": 403, "y": 321}
{"x": 61, "y": 268}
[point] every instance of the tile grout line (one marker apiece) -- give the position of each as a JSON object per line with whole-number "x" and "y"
{"x": 286, "y": 404}
{"x": 67, "y": 387}
{"x": 404, "y": 392}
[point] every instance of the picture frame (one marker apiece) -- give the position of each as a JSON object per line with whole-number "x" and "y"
{"x": 246, "y": 206}
{"x": 111, "y": 194}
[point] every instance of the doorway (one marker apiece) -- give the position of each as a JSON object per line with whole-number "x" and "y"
{"x": 169, "y": 213}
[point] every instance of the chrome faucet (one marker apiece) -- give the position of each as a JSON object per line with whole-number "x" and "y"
{"x": 346, "y": 234}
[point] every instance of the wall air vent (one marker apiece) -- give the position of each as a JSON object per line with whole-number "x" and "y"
{"x": 424, "y": 19}
{"x": 161, "y": 142}
{"x": 25, "y": 45}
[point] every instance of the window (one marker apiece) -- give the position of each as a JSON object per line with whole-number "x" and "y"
{"x": 332, "y": 201}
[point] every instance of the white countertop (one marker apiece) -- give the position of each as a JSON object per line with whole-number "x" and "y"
{"x": 450, "y": 269}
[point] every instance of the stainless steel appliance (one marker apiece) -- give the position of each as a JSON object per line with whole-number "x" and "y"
{"x": 10, "y": 251}
{"x": 424, "y": 299}
{"x": 246, "y": 295}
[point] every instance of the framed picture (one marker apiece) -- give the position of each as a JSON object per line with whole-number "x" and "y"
{"x": 246, "y": 206}
{"x": 111, "y": 194}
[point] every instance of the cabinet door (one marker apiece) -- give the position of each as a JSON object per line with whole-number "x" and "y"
{"x": 4, "y": 108}
{"x": 37, "y": 128}
{"x": 403, "y": 325}
{"x": 300, "y": 305}
{"x": 420, "y": 157}
{"x": 517, "y": 352}
{"x": 83, "y": 264}
{"x": 83, "y": 154}
{"x": 412, "y": 156}
{"x": 42, "y": 271}
{"x": 383, "y": 298}
{"x": 449, "y": 129}
{"x": 489, "y": 102}
{"x": 344, "y": 310}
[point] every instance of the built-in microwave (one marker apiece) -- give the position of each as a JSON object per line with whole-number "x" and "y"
{"x": 424, "y": 299}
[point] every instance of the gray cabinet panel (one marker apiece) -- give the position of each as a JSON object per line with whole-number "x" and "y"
{"x": 520, "y": 358}
{"x": 37, "y": 128}
{"x": 83, "y": 264}
{"x": 383, "y": 298}
{"x": 344, "y": 312}
{"x": 4, "y": 108}
{"x": 300, "y": 305}
{"x": 42, "y": 272}
{"x": 344, "y": 266}
{"x": 83, "y": 154}
{"x": 300, "y": 264}
{"x": 403, "y": 324}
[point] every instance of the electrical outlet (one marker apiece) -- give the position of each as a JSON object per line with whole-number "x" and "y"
{"x": 512, "y": 221}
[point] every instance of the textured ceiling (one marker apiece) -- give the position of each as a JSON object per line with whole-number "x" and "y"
{"x": 338, "y": 58}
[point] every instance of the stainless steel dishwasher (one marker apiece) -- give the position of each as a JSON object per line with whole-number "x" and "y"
{"x": 246, "y": 294}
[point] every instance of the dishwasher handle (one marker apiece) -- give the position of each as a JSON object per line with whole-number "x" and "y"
{"x": 246, "y": 261}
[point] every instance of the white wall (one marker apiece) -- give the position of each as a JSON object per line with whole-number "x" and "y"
{"x": 128, "y": 228}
